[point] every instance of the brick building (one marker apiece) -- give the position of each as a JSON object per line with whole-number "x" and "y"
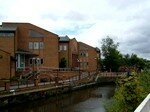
{"x": 24, "y": 46}
{"x": 29, "y": 46}
{"x": 88, "y": 57}
{"x": 5, "y": 65}
{"x": 68, "y": 52}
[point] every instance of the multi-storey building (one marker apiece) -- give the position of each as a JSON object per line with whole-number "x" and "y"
{"x": 68, "y": 52}
{"x": 88, "y": 57}
{"x": 28, "y": 46}
{"x": 5, "y": 65}
{"x": 24, "y": 46}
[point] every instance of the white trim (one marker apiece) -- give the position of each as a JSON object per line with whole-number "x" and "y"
{"x": 18, "y": 63}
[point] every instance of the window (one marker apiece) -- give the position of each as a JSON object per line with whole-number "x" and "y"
{"x": 41, "y": 61}
{"x": 20, "y": 61}
{"x": 30, "y": 45}
{"x": 60, "y": 47}
{"x": 41, "y": 45}
{"x": 36, "y": 45}
{"x": 8, "y": 34}
{"x": 33, "y": 33}
{"x": 36, "y": 61}
{"x": 86, "y": 54}
{"x": 30, "y": 60}
{"x": 65, "y": 47}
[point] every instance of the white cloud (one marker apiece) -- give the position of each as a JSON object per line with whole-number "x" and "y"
{"x": 87, "y": 20}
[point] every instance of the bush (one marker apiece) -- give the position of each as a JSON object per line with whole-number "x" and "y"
{"x": 129, "y": 93}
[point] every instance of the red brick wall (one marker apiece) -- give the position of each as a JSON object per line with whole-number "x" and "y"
{"x": 50, "y": 52}
{"x": 4, "y": 65}
{"x": 64, "y": 53}
{"x": 73, "y": 54}
{"x": 90, "y": 57}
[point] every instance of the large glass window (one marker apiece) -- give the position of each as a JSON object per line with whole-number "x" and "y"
{"x": 20, "y": 61}
{"x": 33, "y": 33}
{"x": 36, "y": 61}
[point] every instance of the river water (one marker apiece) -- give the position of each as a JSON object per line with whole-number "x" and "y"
{"x": 86, "y": 100}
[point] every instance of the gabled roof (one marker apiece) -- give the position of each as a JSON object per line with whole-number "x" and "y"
{"x": 64, "y": 39}
{"x": 15, "y": 24}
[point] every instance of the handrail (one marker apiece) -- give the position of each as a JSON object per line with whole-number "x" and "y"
{"x": 144, "y": 106}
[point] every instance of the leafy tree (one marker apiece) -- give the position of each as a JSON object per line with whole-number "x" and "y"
{"x": 134, "y": 61}
{"x": 63, "y": 63}
{"x": 112, "y": 57}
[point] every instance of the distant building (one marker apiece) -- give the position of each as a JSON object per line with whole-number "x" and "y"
{"x": 88, "y": 57}
{"x": 27, "y": 45}
{"x": 68, "y": 52}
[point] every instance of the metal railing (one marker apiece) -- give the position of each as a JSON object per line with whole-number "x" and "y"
{"x": 144, "y": 106}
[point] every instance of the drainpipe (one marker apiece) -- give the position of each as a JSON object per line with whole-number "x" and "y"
{"x": 15, "y": 51}
{"x": 10, "y": 67}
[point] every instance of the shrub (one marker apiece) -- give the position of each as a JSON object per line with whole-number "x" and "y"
{"x": 130, "y": 92}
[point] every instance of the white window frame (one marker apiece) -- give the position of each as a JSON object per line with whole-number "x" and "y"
{"x": 60, "y": 47}
{"x": 65, "y": 47}
{"x": 20, "y": 64}
{"x": 30, "y": 45}
{"x": 36, "y": 45}
{"x": 41, "y": 45}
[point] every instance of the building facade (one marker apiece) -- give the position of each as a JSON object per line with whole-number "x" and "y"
{"x": 25, "y": 47}
{"x": 5, "y": 64}
{"x": 68, "y": 52}
{"x": 88, "y": 57}
{"x": 30, "y": 46}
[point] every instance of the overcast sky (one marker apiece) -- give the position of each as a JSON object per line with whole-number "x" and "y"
{"x": 126, "y": 21}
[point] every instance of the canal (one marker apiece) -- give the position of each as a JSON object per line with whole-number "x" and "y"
{"x": 85, "y": 100}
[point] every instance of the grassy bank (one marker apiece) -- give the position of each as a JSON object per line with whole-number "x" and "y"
{"x": 130, "y": 92}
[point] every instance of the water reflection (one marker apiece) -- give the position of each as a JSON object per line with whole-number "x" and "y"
{"x": 87, "y": 100}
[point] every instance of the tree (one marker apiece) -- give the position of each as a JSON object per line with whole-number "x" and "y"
{"x": 134, "y": 61}
{"x": 112, "y": 57}
{"x": 63, "y": 63}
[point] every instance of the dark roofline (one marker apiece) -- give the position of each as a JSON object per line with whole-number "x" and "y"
{"x": 28, "y": 23}
{"x": 86, "y": 44}
{"x": 64, "y": 39}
